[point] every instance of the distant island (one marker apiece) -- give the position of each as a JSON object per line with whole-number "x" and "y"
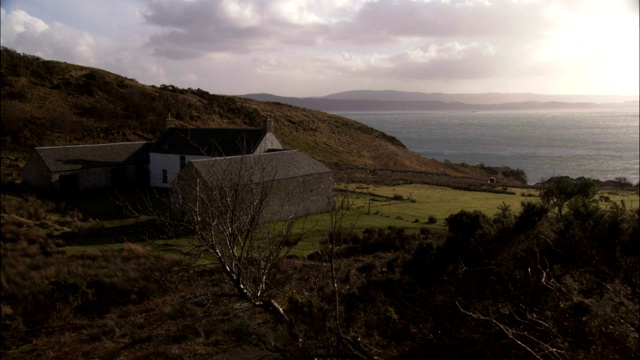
{"x": 389, "y": 100}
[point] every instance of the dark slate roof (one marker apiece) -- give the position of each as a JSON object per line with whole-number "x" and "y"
{"x": 277, "y": 165}
{"x": 79, "y": 157}
{"x": 209, "y": 142}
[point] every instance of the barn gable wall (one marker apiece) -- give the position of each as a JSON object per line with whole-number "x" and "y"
{"x": 269, "y": 142}
{"x": 37, "y": 174}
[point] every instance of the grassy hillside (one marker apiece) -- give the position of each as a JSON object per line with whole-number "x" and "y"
{"x": 54, "y": 103}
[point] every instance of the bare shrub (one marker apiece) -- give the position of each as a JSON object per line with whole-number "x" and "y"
{"x": 227, "y": 214}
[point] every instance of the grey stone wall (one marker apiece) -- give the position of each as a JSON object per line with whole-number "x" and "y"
{"x": 300, "y": 196}
{"x": 287, "y": 198}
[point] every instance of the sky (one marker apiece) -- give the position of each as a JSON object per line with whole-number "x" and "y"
{"x": 306, "y": 48}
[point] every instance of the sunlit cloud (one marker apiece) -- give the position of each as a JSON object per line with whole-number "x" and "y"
{"x": 49, "y": 41}
{"x": 455, "y": 45}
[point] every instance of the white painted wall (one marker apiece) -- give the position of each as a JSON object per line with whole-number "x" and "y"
{"x": 170, "y": 162}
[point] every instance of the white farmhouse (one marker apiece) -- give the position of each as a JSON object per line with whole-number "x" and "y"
{"x": 177, "y": 146}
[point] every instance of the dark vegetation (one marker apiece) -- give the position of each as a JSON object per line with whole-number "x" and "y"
{"x": 558, "y": 279}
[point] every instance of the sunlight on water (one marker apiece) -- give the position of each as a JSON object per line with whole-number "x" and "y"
{"x": 597, "y": 144}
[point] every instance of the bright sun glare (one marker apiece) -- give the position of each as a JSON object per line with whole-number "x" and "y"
{"x": 604, "y": 43}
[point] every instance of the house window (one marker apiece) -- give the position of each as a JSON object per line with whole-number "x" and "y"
{"x": 183, "y": 162}
{"x": 165, "y": 176}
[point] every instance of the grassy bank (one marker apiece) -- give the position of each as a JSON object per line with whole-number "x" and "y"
{"x": 412, "y": 207}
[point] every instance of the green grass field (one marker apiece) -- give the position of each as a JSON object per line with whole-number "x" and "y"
{"x": 403, "y": 206}
{"x": 411, "y": 206}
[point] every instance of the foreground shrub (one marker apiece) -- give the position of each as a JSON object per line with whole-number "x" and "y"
{"x": 27, "y": 207}
{"x": 38, "y": 287}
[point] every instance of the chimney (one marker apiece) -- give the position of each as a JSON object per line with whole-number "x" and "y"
{"x": 268, "y": 125}
{"x": 170, "y": 122}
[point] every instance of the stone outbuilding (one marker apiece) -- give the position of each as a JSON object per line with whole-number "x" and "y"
{"x": 85, "y": 167}
{"x": 287, "y": 184}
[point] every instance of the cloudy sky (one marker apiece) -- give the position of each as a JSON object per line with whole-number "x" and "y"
{"x": 317, "y": 47}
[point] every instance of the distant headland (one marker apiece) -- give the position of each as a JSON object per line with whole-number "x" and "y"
{"x": 391, "y": 100}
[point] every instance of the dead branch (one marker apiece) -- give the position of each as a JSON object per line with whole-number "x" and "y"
{"x": 513, "y": 334}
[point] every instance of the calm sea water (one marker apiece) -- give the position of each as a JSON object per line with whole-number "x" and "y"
{"x": 597, "y": 144}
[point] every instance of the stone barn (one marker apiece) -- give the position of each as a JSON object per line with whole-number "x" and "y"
{"x": 85, "y": 167}
{"x": 285, "y": 184}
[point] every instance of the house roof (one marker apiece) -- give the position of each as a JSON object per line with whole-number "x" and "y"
{"x": 79, "y": 157}
{"x": 209, "y": 142}
{"x": 270, "y": 166}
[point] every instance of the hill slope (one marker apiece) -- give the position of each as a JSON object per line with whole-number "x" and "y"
{"x": 54, "y": 103}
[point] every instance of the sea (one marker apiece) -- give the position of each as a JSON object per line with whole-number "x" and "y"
{"x": 602, "y": 144}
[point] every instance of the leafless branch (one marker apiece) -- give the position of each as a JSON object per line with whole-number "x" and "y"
{"x": 337, "y": 216}
{"x": 514, "y": 334}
